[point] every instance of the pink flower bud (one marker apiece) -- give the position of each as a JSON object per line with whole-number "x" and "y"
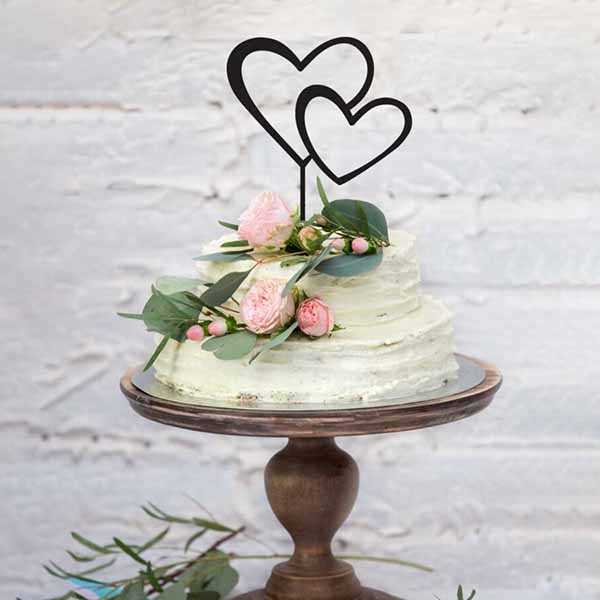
{"x": 309, "y": 238}
{"x": 195, "y": 333}
{"x": 338, "y": 244}
{"x": 359, "y": 245}
{"x": 218, "y": 327}
{"x": 314, "y": 317}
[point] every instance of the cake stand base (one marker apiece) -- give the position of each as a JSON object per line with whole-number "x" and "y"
{"x": 312, "y": 484}
{"x": 366, "y": 594}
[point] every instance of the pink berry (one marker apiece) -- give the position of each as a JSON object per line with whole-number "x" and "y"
{"x": 360, "y": 245}
{"x": 195, "y": 333}
{"x": 218, "y": 327}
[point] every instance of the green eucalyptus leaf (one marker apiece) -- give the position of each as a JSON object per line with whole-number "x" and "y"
{"x": 361, "y": 217}
{"x": 313, "y": 263}
{"x": 322, "y": 193}
{"x": 169, "y": 284}
{"x": 153, "y": 578}
{"x": 161, "y": 346}
{"x": 131, "y": 316}
{"x": 225, "y": 256}
{"x": 229, "y": 225}
{"x": 218, "y": 293}
{"x": 193, "y": 538}
{"x": 231, "y": 346}
{"x": 130, "y": 551}
{"x": 153, "y": 541}
{"x": 212, "y": 525}
{"x": 90, "y": 545}
{"x": 235, "y": 244}
{"x": 349, "y": 265}
{"x": 223, "y": 581}
{"x": 276, "y": 340}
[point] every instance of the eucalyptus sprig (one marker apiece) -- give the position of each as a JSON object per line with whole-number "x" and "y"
{"x": 191, "y": 573}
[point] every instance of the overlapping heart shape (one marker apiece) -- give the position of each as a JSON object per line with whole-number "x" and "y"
{"x": 263, "y": 44}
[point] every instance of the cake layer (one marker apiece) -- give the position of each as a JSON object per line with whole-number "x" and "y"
{"x": 383, "y": 295}
{"x": 404, "y": 354}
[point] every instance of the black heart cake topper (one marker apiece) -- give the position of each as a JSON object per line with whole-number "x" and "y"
{"x": 263, "y": 44}
{"x": 322, "y": 91}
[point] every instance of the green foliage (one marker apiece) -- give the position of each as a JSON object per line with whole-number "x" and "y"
{"x": 235, "y": 244}
{"x": 322, "y": 193}
{"x": 276, "y": 340}
{"x": 310, "y": 265}
{"x": 169, "y": 284}
{"x": 229, "y": 225}
{"x": 359, "y": 218}
{"x": 204, "y": 574}
{"x": 232, "y": 256}
{"x": 349, "y": 265}
{"x": 218, "y": 293}
{"x": 231, "y": 346}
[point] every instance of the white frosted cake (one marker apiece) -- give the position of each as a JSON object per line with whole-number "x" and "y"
{"x": 392, "y": 340}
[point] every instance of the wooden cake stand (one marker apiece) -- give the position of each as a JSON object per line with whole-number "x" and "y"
{"x": 312, "y": 484}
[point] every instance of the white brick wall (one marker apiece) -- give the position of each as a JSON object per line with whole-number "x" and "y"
{"x": 120, "y": 146}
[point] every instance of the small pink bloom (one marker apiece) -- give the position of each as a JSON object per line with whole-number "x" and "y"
{"x": 263, "y": 309}
{"x": 359, "y": 245}
{"x": 195, "y": 333}
{"x": 218, "y": 327}
{"x": 338, "y": 243}
{"x": 315, "y": 318}
{"x": 267, "y": 222}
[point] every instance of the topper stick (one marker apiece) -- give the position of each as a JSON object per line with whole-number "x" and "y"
{"x": 302, "y": 191}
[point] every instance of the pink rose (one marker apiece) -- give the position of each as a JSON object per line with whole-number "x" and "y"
{"x": 315, "y": 318}
{"x": 267, "y": 222}
{"x": 263, "y": 309}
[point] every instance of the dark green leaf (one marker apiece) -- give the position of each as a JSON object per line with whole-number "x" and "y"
{"x": 229, "y": 225}
{"x": 169, "y": 284}
{"x": 314, "y": 262}
{"x": 222, "y": 290}
{"x": 156, "y": 353}
{"x": 152, "y": 578}
{"x": 174, "y": 592}
{"x": 295, "y": 260}
{"x": 172, "y": 314}
{"x": 153, "y": 541}
{"x": 193, "y": 538}
{"x": 161, "y": 515}
{"x": 223, "y": 581}
{"x": 276, "y": 340}
{"x": 225, "y": 256}
{"x": 90, "y": 545}
{"x": 130, "y": 551}
{"x": 349, "y": 265}
{"x": 358, "y": 216}
{"x": 459, "y": 593}
{"x": 322, "y": 193}
{"x": 81, "y": 557}
{"x": 231, "y": 346}
{"x": 131, "y": 316}
{"x": 212, "y": 525}
{"x": 235, "y": 244}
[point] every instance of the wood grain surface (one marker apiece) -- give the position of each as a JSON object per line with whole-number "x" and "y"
{"x": 316, "y": 423}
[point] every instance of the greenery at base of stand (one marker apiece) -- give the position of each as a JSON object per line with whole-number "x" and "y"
{"x": 198, "y": 568}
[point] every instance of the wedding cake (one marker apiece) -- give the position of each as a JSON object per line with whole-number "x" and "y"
{"x": 324, "y": 310}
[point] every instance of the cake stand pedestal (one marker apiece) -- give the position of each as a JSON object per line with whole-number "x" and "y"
{"x": 312, "y": 484}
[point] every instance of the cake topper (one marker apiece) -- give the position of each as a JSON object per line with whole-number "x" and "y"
{"x": 263, "y": 44}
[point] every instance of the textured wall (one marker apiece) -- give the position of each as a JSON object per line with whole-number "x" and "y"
{"x": 120, "y": 145}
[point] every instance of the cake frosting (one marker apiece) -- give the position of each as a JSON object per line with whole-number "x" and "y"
{"x": 394, "y": 340}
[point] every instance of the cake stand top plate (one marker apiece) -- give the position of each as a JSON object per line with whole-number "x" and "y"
{"x": 317, "y": 422}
